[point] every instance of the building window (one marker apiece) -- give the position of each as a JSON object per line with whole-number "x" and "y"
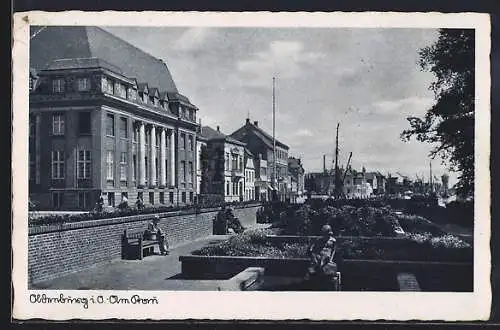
{"x": 171, "y": 197}
{"x": 58, "y": 124}
{"x": 190, "y": 143}
{"x": 191, "y": 172}
{"x": 235, "y": 188}
{"x": 111, "y": 199}
{"x": 110, "y": 124}
{"x": 132, "y": 94}
{"x": 191, "y": 196}
{"x": 57, "y": 164}
{"x": 234, "y": 164}
{"x": 84, "y": 164}
{"x": 83, "y": 199}
{"x": 134, "y": 167}
{"x": 57, "y": 199}
{"x": 110, "y": 165}
{"x": 241, "y": 162}
{"x": 123, "y": 166}
{"x": 134, "y": 135}
{"x": 151, "y": 197}
{"x": 123, "y": 128}
{"x": 58, "y": 85}
{"x": 227, "y": 161}
{"x": 183, "y": 141}
{"x": 84, "y": 123}
{"x": 83, "y": 84}
{"x": 107, "y": 85}
{"x": 227, "y": 189}
{"x": 183, "y": 171}
{"x": 241, "y": 189}
{"x": 183, "y": 197}
{"x": 162, "y": 197}
{"x": 32, "y": 168}
{"x": 120, "y": 90}
{"x": 140, "y": 195}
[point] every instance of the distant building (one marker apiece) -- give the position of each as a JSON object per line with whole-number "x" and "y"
{"x": 201, "y": 161}
{"x": 262, "y": 181}
{"x": 249, "y": 176}
{"x": 261, "y": 143}
{"x": 297, "y": 176}
{"x": 225, "y": 173}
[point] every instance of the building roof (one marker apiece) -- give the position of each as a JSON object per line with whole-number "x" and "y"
{"x": 211, "y": 134}
{"x": 76, "y": 42}
{"x": 81, "y": 63}
{"x": 261, "y": 134}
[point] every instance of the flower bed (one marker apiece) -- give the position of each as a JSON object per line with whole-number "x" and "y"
{"x": 51, "y": 219}
{"x": 413, "y": 247}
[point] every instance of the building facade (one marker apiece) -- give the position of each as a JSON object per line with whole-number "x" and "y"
{"x": 297, "y": 174}
{"x": 249, "y": 176}
{"x": 106, "y": 119}
{"x": 225, "y": 172}
{"x": 261, "y": 143}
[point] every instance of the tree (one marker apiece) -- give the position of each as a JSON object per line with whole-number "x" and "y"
{"x": 449, "y": 123}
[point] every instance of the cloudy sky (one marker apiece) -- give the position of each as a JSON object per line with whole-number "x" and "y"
{"x": 366, "y": 79}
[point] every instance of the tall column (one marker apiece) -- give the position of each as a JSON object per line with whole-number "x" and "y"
{"x": 152, "y": 176}
{"x": 142, "y": 154}
{"x": 37, "y": 148}
{"x": 172, "y": 157}
{"x": 163, "y": 170}
{"x": 130, "y": 153}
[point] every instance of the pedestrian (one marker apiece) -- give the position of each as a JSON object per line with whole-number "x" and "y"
{"x": 160, "y": 235}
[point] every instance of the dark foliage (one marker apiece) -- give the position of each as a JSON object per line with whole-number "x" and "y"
{"x": 449, "y": 123}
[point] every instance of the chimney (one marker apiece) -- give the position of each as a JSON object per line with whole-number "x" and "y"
{"x": 256, "y": 123}
{"x": 218, "y": 128}
{"x": 248, "y": 121}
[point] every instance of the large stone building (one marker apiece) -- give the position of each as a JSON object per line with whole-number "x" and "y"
{"x": 261, "y": 146}
{"x": 106, "y": 118}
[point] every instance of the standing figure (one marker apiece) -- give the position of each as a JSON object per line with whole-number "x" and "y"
{"x": 160, "y": 235}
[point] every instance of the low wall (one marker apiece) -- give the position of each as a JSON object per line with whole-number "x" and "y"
{"x": 247, "y": 215}
{"x": 59, "y": 249}
{"x": 357, "y": 275}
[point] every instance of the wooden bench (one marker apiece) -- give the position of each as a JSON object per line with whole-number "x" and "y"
{"x": 135, "y": 246}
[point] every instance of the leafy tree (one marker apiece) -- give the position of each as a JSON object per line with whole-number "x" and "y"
{"x": 449, "y": 123}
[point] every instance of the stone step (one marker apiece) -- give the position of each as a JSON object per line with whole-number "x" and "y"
{"x": 407, "y": 282}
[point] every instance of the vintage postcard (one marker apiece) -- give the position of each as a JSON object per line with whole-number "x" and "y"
{"x": 252, "y": 166}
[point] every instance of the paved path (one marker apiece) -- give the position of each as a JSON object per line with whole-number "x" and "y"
{"x": 151, "y": 273}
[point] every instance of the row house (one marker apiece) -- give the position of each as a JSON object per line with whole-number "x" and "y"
{"x": 297, "y": 172}
{"x": 260, "y": 143}
{"x": 249, "y": 176}
{"x": 225, "y": 171}
{"x": 106, "y": 119}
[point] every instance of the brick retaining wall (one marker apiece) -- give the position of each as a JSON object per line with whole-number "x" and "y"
{"x": 59, "y": 249}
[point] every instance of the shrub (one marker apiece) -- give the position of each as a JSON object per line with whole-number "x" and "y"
{"x": 448, "y": 241}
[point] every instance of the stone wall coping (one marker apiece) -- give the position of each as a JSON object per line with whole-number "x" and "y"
{"x": 64, "y": 226}
{"x": 373, "y": 261}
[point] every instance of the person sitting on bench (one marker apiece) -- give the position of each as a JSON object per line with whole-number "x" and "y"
{"x": 322, "y": 254}
{"x": 160, "y": 236}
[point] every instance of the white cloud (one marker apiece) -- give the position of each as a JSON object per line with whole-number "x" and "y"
{"x": 420, "y": 104}
{"x": 283, "y": 59}
{"x": 192, "y": 39}
{"x": 303, "y": 132}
